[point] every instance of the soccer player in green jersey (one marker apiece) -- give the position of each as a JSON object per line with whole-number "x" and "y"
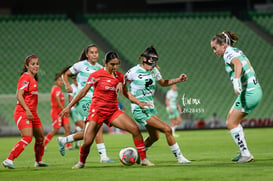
{"x": 246, "y": 87}
{"x": 173, "y": 108}
{"x": 142, "y": 80}
{"x": 86, "y": 65}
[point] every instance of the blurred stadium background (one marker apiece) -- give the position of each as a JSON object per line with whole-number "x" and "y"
{"x": 180, "y": 30}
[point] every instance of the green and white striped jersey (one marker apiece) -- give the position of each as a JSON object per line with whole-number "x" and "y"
{"x": 142, "y": 84}
{"x": 83, "y": 69}
{"x": 248, "y": 76}
{"x": 172, "y": 96}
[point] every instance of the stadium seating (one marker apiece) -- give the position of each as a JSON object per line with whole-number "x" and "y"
{"x": 181, "y": 39}
{"x": 265, "y": 20}
{"x": 183, "y": 44}
{"x": 57, "y": 42}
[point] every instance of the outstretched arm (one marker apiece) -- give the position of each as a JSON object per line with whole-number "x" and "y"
{"x": 76, "y": 99}
{"x": 165, "y": 83}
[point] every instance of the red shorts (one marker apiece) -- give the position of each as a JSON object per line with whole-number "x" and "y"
{"x": 103, "y": 117}
{"x": 21, "y": 120}
{"x": 56, "y": 122}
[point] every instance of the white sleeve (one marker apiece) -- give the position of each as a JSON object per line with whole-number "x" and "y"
{"x": 157, "y": 74}
{"x": 74, "y": 69}
{"x": 128, "y": 75}
{"x": 231, "y": 53}
{"x": 168, "y": 95}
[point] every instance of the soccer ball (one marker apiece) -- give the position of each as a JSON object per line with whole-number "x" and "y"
{"x": 128, "y": 156}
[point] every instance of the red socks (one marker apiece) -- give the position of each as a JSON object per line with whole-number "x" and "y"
{"x": 39, "y": 149}
{"x": 19, "y": 147}
{"x": 140, "y": 148}
{"x": 83, "y": 154}
{"x": 48, "y": 139}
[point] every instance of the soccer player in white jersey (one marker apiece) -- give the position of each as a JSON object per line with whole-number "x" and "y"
{"x": 142, "y": 80}
{"x": 246, "y": 87}
{"x": 173, "y": 108}
{"x": 86, "y": 65}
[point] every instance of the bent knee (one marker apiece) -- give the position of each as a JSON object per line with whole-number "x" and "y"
{"x": 134, "y": 131}
{"x": 230, "y": 124}
{"x": 27, "y": 139}
{"x": 168, "y": 130}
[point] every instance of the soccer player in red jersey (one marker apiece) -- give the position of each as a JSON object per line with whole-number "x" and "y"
{"x": 57, "y": 105}
{"x": 86, "y": 64}
{"x": 104, "y": 108}
{"x": 25, "y": 114}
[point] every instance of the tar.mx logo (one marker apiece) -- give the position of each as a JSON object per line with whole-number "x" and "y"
{"x": 190, "y": 101}
{"x": 191, "y": 105}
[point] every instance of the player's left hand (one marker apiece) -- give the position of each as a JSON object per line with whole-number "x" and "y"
{"x": 183, "y": 77}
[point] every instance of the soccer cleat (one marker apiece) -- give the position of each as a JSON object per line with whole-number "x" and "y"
{"x": 146, "y": 162}
{"x": 183, "y": 160}
{"x": 8, "y": 164}
{"x": 78, "y": 165}
{"x": 175, "y": 135}
{"x": 61, "y": 146}
{"x": 40, "y": 164}
{"x": 237, "y": 157}
{"x": 245, "y": 159}
{"x": 106, "y": 160}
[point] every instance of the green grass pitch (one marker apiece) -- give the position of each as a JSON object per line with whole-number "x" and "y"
{"x": 209, "y": 150}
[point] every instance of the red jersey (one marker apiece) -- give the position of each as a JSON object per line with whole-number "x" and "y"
{"x": 56, "y": 91}
{"x": 104, "y": 96}
{"x": 29, "y": 85}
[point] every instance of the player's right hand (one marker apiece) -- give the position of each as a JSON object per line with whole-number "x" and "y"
{"x": 29, "y": 115}
{"x": 65, "y": 112}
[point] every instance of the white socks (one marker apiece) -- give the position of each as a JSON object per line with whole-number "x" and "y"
{"x": 102, "y": 151}
{"x": 9, "y": 161}
{"x": 176, "y": 151}
{"x": 68, "y": 139}
{"x": 239, "y": 138}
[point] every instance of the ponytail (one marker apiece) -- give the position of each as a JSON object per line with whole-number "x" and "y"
{"x": 226, "y": 37}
